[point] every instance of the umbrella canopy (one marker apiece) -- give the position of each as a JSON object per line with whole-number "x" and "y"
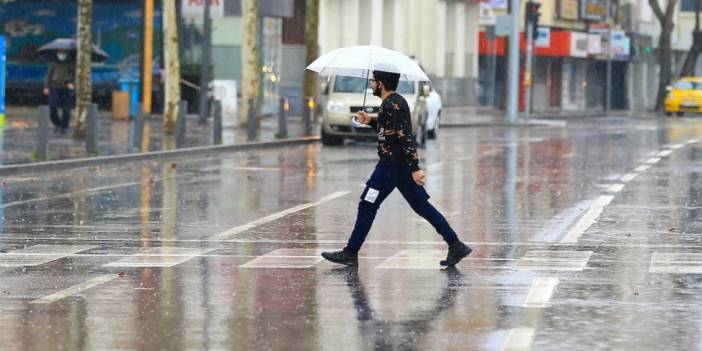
{"x": 48, "y": 51}
{"x": 358, "y": 61}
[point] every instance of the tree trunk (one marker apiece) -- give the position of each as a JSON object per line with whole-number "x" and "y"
{"x": 312, "y": 48}
{"x": 172, "y": 65}
{"x": 252, "y": 62}
{"x": 665, "y": 51}
{"x": 83, "y": 65}
{"x": 696, "y": 47}
{"x": 665, "y": 62}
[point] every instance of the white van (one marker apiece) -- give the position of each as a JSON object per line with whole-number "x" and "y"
{"x": 344, "y": 98}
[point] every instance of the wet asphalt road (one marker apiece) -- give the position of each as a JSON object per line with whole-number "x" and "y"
{"x": 585, "y": 236}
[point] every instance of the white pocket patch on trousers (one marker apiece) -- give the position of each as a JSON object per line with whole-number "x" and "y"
{"x": 371, "y": 195}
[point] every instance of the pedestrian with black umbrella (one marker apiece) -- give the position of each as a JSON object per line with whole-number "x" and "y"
{"x": 60, "y": 88}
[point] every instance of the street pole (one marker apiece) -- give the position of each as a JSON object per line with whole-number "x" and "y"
{"x": 513, "y": 72}
{"x": 492, "y": 65}
{"x": 148, "y": 54}
{"x": 205, "y": 65}
{"x": 528, "y": 81}
{"x": 608, "y": 83}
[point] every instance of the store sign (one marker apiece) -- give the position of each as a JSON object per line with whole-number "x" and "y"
{"x": 594, "y": 44}
{"x": 594, "y": 10}
{"x": 196, "y": 8}
{"x": 498, "y": 4}
{"x": 568, "y": 9}
{"x": 543, "y": 40}
{"x": 620, "y": 44}
{"x": 487, "y": 17}
{"x": 578, "y": 44}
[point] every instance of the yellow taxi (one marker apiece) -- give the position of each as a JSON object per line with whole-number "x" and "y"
{"x": 684, "y": 96}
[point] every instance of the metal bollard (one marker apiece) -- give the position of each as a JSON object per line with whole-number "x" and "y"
{"x": 181, "y": 123}
{"x": 91, "y": 130}
{"x": 307, "y": 115}
{"x": 251, "y": 121}
{"x": 42, "y": 133}
{"x": 217, "y": 123}
{"x": 138, "y": 134}
{"x": 282, "y": 119}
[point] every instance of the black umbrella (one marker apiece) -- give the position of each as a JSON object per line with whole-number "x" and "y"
{"x": 49, "y": 50}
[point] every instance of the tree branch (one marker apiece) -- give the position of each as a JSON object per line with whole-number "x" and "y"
{"x": 657, "y": 10}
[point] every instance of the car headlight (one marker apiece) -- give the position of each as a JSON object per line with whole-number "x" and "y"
{"x": 336, "y": 106}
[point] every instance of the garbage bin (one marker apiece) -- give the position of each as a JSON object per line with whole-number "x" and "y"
{"x": 131, "y": 86}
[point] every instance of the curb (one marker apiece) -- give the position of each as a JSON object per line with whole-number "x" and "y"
{"x": 533, "y": 123}
{"x": 148, "y": 156}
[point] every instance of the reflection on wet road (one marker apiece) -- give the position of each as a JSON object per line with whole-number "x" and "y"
{"x": 585, "y": 235}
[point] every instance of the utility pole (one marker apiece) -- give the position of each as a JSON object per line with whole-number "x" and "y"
{"x": 172, "y": 63}
{"x": 608, "y": 82}
{"x": 513, "y": 66}
{"x": 205, "y": 66}
{"x": 532, "y": 25}
{"x": 147, "y": 70}
{"x": 83, "y": 64}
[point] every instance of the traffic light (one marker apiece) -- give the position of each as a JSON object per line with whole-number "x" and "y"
{"x": 531, "y": 15}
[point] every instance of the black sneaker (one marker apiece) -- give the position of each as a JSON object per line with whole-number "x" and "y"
{"x": 456, "y": 253}
{"x": 342, "y": 257}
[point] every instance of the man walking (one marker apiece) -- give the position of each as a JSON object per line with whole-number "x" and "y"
{"x": 398, "y": 168}
{"x": 59, "y": 87}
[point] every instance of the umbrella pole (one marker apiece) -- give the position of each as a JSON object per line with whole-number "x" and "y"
{"x": 365, "y": 91}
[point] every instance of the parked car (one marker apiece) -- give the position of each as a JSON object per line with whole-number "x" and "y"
{"x": 344, "y": 98}
{"x": 684, "y": 96}
{"x": 434, "y": 106}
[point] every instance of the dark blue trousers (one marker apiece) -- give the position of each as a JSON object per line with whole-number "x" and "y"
{"x": 385, "y": 178}
{"x": 63, "y": 99}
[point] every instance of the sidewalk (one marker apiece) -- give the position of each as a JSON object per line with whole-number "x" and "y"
{"x": 18, "y": 136}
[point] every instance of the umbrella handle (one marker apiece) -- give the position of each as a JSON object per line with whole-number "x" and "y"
{"x": 365, "y": 91}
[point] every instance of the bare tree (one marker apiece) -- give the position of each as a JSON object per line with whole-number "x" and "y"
{"x": 696, "y": 47}
{"x": 312, "y": 47}
{"x": 172, "y": 63}
{"x": 83, "y": 65}
{"x": 665, "y": 51}
{"x": 252, "y": 63}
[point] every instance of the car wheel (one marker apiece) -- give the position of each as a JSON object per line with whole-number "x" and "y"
{"x": 680, "y": 114}
{"x": 669, "y": 114}
{"x": 329, "y": 140}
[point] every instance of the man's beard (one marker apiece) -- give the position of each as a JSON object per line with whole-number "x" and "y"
{"x": 376, "y": 92}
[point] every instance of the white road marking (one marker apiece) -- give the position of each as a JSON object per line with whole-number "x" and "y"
{"x": 642, "y": 168}
{"x": 244, "y": 227}
{"x": 519, "y": 339}
{"x": 39, "y": 254}
{"x": 673, "y": 262}
{"x": 256, "y": 169}
{"x": 629, "y": 177}
{"x": 59, "y": 196}
{"x": 541, "y": 291}
{"x": 615, "y": 188}
{"x": 664, "y": 153}
{"x": 286, "y": 258}
{"x": 547, "y": 260}
{"x": 414, "y": 259}
{"x": 676, "y": 146}
{"x": 587, "y": 220}
{"x": 159, "y": 257}
{"x": 76, "y": 289}
{"x": 653, "y": 160}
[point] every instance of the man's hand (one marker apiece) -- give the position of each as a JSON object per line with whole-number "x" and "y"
{"x": 419, "y": 177}
{"x": 70, "y": 86}
{"x": 46, "y": 91}
{"x": 363, "y": 117}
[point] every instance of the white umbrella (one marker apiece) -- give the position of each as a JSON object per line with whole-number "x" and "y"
{"x": 359, "y": 61}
